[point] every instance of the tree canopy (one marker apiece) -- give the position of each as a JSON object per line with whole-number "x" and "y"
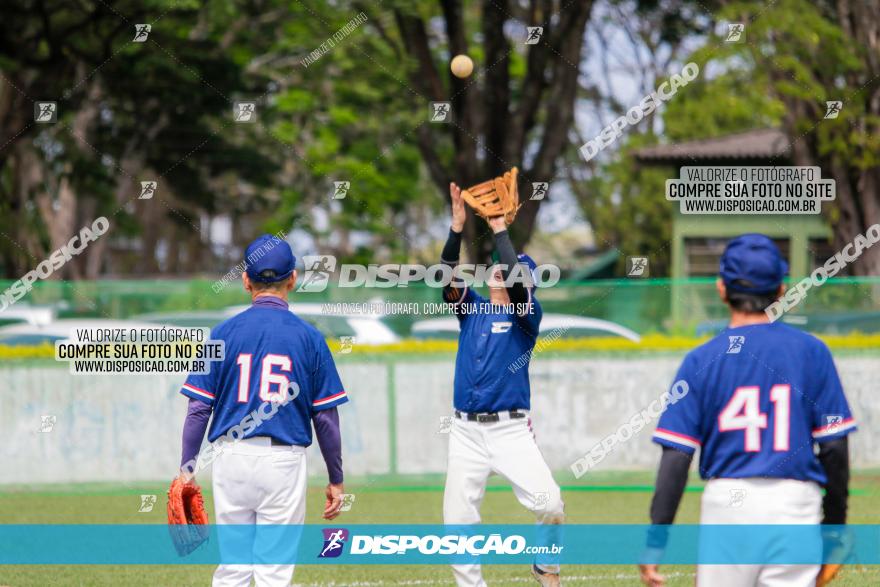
{"x": 343, "y": 92}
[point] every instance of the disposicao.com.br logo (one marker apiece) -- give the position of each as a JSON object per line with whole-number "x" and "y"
{"x": 320, "y": 270}
{"x": 450, "y": 544}
{"x": 334, "y": 542}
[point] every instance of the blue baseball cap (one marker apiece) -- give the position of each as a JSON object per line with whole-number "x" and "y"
{"x": 528, "y": 261}
{"x": 752, "y": 263}
{"x": 523, "y": 258}
{"x": 269, "y": 259}
{"x": 496, "y": 258}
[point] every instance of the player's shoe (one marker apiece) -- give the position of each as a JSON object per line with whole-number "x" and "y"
{"x": 544, "y": 578}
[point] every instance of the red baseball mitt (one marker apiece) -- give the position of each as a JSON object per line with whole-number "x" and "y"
{"x": 187, "y": 517}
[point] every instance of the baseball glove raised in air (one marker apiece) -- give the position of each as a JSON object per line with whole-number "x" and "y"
{"x": 187, "y": 517}
{"x": 496, "y": 197}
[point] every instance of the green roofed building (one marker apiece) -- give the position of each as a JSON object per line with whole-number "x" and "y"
{"x": 699, "y": 239}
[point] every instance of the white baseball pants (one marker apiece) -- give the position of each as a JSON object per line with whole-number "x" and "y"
{"x": 257, "y": 483}
{"x": 759, "y": 501}
{"x": 508, "y": 448}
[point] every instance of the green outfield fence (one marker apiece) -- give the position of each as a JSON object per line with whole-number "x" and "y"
{"x": 669, "y": 306}
{"x": 580, "y": 394}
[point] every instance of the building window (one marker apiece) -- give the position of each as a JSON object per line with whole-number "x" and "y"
{"x": 702, "y": 254}
{"x": 822, "y": 249}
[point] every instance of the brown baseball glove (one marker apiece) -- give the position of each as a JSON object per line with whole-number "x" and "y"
{"x": 187, "y": 517}
{"x": 838, "y": 549}
{"x": 827, "y": 573}
{"x": 496, "y": 197}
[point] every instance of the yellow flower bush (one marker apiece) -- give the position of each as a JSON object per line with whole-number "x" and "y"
{"x": 649, "y": 343}
{"x": 38, "y": 351}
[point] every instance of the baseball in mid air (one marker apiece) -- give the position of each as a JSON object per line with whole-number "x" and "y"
{"x": 461, "y": 66}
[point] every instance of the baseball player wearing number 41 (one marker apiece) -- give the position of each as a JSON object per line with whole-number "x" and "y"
{"x": 271, "y": 356}
{"x": 766, "y": 409}
{"x": 491, "y": 431}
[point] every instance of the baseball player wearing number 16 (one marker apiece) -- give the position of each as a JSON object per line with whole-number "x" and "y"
{"x": 761, "y": 396}
{"x": 271, "y": 357}
{"x": 491, "y": 431}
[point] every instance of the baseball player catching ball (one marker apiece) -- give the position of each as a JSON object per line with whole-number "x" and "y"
{"x": 271, "y": 356}
{"x": 491, "y": 431}
{"x": 761, "y": 395}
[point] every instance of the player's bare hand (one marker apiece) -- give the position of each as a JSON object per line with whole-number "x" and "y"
{"x": 650, "y": 575}
{"x": 459, "y": 214}
{"x": 334, "y": 501}
{"x": 186, "y": 476}
{"x": 497, "y": 224}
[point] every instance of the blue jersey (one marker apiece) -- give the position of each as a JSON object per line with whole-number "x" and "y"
{"x": 269, "y": 352}
{"x": 494, "y": 349}
{"x": 758, "y": 397}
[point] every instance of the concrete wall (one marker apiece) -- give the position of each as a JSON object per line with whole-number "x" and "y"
{"x": 127, "y": 428}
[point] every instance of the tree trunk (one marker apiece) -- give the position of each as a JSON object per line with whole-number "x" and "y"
{"x": 859, "y": 20}
{"x": 857, "y": 205}
{"x": 489, "y": 133}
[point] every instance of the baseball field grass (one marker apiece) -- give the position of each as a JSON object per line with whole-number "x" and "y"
{"x": 614, "y": 499}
